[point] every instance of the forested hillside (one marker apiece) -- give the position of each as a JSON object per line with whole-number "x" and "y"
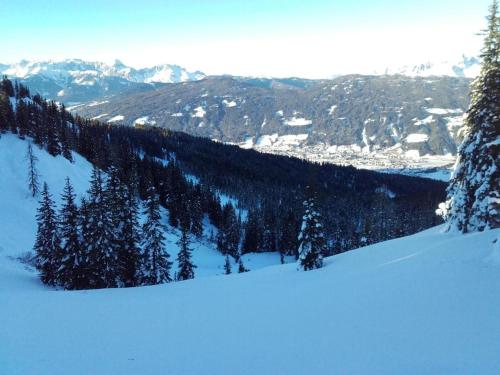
{"x": 188, "y": 173}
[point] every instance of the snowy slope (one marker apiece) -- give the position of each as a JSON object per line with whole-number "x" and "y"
{"x": 427, "y": 303}
{"x": 18, "y": 208}
{"x": 424, "y": 304}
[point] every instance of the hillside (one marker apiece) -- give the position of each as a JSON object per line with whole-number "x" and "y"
{"x": 359, "y": 207}
{"x": 18, "y": 210}
{"x": 419, "y": 304}
{"x": 376, "y": 122}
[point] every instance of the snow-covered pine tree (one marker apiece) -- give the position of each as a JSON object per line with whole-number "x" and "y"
{"x": 123, "y": 210}
{"x": 227, "y": 266}
{"x": 185, "y": 263}
{"x": 99, "y": 236}
{"x": 154, "y": 264}
{"x": 130, "y": 234}
{"x": 47, "y": 243}
{"x": 85, "y": 272}
{"x": 311, "y": 238}
{"x": 33, "y": 174}
{"x": 71, "y": 272}
{"x": 473, "y": 201}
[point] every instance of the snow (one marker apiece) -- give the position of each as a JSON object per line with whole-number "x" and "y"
{"x": 412, "y": 154}
{"x": 144, "y": 121}
{"x": 297, "y": 121}
{"x": 96, "y": 103}
{"x": 463, "y": 66}
{"x": 277, "y": 142}
{"x": 199, "y": 112}
{"x": 267, "y": 139}
{"x": 247, "y": 143}
{"x": 426, "y": 121}
{"x": 17, "y": 207}
{"x": 90, "y": 72}
{"x": 331, "y": 110}
{"x": 228, "y": 104}
{"x": 420, "y": 304}
{"x": 443, "y": 111}
{"x": 417, "y": 138}
{"x": 99, "y": 116}
{"x": 116, "y": 118}
{"x": 454, "y": 123}
{"x": 178, "y": 114}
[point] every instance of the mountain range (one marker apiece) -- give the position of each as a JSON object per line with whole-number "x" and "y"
{"x": 76, "y": 80}
{"x": 405, "y": 118}
{"x": 466, "y": 66}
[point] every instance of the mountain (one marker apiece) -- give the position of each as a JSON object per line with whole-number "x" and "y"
{"x": 466, "y": 66}
{"x": 75, "y": 80}
{"x": 189, "y": 174}
{"x": 372, "y": 121}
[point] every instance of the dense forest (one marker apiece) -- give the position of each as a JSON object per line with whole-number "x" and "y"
{"x": 358, "y": 207}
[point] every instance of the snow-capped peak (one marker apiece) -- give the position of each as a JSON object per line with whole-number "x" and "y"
{"x": 466, "y": 66}
{"x": 80, "y": 71}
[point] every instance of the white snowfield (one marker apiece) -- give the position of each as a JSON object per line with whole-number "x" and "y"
{"x": 117, "y": 118}
{"x": 297, "y": 121}
{"x": 423, "y": 304}
{"x": 417, "y": 138}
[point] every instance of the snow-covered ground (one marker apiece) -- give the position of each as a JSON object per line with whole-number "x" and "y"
{"x": 18, "y": 208}
{"x": 423, "y": 304}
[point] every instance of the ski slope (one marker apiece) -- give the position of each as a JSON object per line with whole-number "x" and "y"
{"x": 423, "y": 304}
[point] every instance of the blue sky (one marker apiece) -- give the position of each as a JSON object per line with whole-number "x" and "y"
{"x": 315, "y": 38}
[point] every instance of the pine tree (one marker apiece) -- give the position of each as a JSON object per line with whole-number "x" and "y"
{"x": 228, "y": 237}
{"x": 33, "y": 175}
{"x": 99, "y": 236}
{"x": 123, "y": 215}
{"x": 130, "y": 235}
{"x": 312, "y": 243}
{"x": 7, "y": 116}
{"x": 227, "y": 266}
{"x": 241, "y": 266}
{"x": 53, "y": 146}
{"x": 186, "y": 266}
{"x": 196, "y": 212}
{"x": 252, "y": 236}
{"x": 288, "y": 234}
{"x": 84, "y": 279}
{"x": 473, "y": 201}
{"x": 71, "y": 273}
{"x": 47, "y": 243}
{"x": 155, "y": 266}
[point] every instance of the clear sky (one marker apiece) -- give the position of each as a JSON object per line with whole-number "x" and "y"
{"x": 308, "y": 38}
